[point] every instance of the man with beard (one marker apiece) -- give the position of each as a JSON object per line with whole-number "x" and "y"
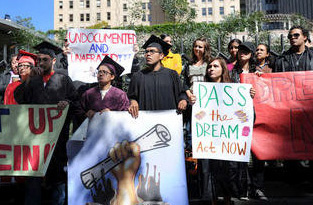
{"x": 155, "y": 87}
{"x": 298, "y": 57}
{"x": 49, "y": 87}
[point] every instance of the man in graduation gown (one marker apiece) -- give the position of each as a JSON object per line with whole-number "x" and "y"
{"x": 155, "y": 87}
{"x": 105, "y": 97}
{"x": 50, "y": 88}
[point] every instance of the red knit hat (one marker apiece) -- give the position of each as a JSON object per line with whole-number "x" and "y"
{"x": 26, "y": 57}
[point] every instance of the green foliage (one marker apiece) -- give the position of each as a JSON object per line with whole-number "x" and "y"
{"x": 102, "y": 24}
{"x": 178, "y": 10}
{"x": 26, "y": 22}
{"x": 135, "y": 13}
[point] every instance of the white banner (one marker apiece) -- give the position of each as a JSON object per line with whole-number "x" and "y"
{"x": 153, "y": 175}
{"x": 222, "y": 121}
{"x": 89, "y": 46}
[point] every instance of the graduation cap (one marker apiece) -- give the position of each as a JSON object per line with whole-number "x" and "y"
{"x": 116, "y": 68}
{"x": 26, "y": 57}
{"x": 157, "y": 42}
{"x": 48, "y": 48}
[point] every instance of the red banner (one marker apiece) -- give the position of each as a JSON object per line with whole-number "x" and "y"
{"x": 284, "y": 115}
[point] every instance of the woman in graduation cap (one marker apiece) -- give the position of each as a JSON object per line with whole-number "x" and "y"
{"x": 26, "y": 62}
{"x": 105, "y": 97}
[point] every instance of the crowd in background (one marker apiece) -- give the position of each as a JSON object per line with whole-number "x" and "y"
{"x": 162, "y": 84}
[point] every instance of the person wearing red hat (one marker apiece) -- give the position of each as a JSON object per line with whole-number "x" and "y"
{"x": 50, "y": 87}
{"x": 26, "y": 61}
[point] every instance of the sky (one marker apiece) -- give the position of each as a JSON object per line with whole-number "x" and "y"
{"x": 41, "y": 12}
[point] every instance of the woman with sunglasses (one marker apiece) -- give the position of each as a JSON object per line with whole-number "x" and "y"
{"x": 26, "y": 63}
{"x": 105, "y": 97}
{"x": 233, "y": 50}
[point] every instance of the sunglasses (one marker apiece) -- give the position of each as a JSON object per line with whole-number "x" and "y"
{"x": 295, "y": 35}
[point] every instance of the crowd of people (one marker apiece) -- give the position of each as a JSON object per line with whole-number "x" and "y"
{"x": 162, "y": 84}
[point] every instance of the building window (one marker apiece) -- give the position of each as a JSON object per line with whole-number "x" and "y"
{"x": 210, "y": 11}
{"x": 82, "y": 17}
{"x": 143, "y": 5}
{"x": 209, "y": 0}
{"x": 149, "y": 5}
{"x": 87, "y": 17}
{"x": 192, "y": 1}
{"x": 87, "y": 3}
{"x": 221, "y": 10}
{"x": 143, "y": 17}
{"x": 108, "y": 3}
{"x": 124, "y": 18}
{"x": 203, "y": 0}
{"x": 108, "y": 16}
{"x": 60, "y": 17}
{"x": 71, "y": 17}
{"x": 98, "y": 3}
{"x": 98, "y": 16}
{"x": 124, "y": 7}
{"x": 61, "y": 4}
{"x": 149, "y": 18}
{"x": 203, "y": 11}
{"x": 81, "y": 3}
{"x": 71, "y": 4}
{"x": 232, "y": 9}
{"x": 221, "y": 0}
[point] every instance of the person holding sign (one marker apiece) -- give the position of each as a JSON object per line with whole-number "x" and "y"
{"x": 229, "y": 178}
{"x": 155, "y": 87}
{"x": 50, "y": 88}
{"x": 245, "y": 63}
{"x": 105, "y": 97}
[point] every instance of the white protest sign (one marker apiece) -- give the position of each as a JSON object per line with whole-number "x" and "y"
{"x": 222, "y": 121}
{"x": 156, "y": 175}
{"x": 89, "y": 46}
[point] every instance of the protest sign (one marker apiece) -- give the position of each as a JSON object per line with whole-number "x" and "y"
{"x": 284, "y": 115}
{"x": 28, "y": 135}
{"x": 89, "y": 46}
{"x": 222, "y": 121}
{"x": 128, "y": 161}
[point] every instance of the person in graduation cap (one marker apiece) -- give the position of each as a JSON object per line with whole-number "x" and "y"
{"x": 26, "y": 62}
{"x": 155, "y": 87}
{"x": 105, "y": 97}
{"x": 50, "y": 88}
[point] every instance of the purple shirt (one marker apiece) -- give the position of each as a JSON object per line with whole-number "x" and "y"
{"x": 115, "y": 100}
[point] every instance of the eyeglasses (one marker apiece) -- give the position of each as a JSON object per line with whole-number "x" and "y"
{"x": 103, "y": 72}
{"x": 151, "y": 51}
{"x": 25, "y": 66}
{"x": 295, "y": 35}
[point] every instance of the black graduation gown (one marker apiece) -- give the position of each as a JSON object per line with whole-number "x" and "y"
{"x": 156, "y": 90}
{"x": 58, "y": 88}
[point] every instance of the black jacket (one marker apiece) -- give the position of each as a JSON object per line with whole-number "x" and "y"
{"x": 288, "y": 61}
{"x": 4, "y": 81}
